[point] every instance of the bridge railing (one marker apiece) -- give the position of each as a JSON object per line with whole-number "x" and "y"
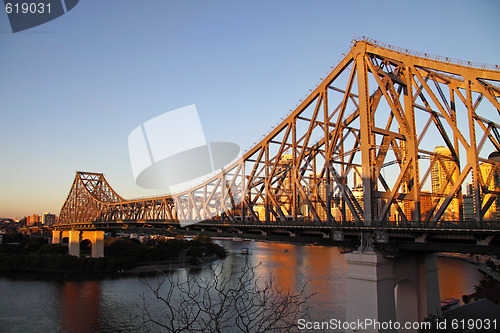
{"x": 429, "y": 56}
{"x": 440, "y": 225}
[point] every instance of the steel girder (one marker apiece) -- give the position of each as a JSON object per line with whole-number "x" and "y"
{"x": 91, "y": 198}
{"x": 360, "y": 147}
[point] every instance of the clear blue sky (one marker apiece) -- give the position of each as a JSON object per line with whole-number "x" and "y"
{"x": 73, "y": 89}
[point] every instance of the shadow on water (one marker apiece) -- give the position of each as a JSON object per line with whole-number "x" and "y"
{"x": 114, "y": 305}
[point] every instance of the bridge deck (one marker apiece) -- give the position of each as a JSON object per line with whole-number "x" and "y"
{"x": 454, "y": 237}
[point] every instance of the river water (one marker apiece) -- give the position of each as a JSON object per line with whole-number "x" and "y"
{"x": 115, "y": 305}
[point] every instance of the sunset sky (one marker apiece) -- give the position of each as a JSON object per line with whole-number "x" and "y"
{"x": 73, "y": 89}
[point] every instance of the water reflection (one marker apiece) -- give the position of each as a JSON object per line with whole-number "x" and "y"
{"x": 116, "y": 305}
{"x": 322, "y": 268}
{"x": 456, "y": 278}
{"x": 80, "y": 306}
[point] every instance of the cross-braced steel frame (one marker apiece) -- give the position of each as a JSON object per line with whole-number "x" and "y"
{"x": 91, "y": 198}
{"x": 361, "y": 147}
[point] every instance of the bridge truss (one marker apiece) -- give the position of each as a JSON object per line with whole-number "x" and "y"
{"x": 361, "y": 147}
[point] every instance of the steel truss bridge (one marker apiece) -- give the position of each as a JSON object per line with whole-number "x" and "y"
{"x": 359, "y": 151}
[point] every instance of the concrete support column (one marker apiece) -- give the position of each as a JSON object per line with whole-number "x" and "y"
{"x": 405, "y": 289}
{"x": 370, "y": 289}
{"x": 56, "y": 237}
{"x": 430, "y": 303}
{"x": 74, "y": 242}
{"x": 97, "y": 239}
{"x": 63, "y": 235}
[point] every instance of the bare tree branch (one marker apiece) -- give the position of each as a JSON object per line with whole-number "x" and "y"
{"x": 239, "y": 301}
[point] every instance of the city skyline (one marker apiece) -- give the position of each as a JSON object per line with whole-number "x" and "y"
{"x": 72, "y": 90}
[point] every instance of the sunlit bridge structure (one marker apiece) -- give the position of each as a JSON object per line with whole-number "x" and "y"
{"x": 360, "y": 147}
{"x": 392, "y": 145}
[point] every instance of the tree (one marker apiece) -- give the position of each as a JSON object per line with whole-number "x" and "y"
{"x": 236, "y": 302}
{"x": 22, "y": 222}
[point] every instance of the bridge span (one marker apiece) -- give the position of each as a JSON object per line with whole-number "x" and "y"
{"x": 395, "y": 155}
{"x": 389, "y": 238}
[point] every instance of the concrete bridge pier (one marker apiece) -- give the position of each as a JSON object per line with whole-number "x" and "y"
{"x": 56, "y": 237}
{"x": 74, "y": 243}
{"x": 75, "y": 239}
{"x": 381, "y": 291}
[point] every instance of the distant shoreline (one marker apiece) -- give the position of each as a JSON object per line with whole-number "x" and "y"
{"x": 166, "y": 267}
{"x": 458, "y": 256}
{"x": 139, "y": 270}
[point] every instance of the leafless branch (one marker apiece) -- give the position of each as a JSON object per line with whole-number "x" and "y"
{"x": 240, "y": 301}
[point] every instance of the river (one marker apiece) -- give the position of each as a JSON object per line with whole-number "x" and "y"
{"x": 115, "y": 305}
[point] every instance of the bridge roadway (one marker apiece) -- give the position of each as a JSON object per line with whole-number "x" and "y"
{"x": 459, "y": 237}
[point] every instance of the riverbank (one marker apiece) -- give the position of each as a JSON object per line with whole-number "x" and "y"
{"x": 479, "y": 260}
{"x": 488, "y": 271}
{"x": 476, "y": 259}
{"x": 35, "y": 258}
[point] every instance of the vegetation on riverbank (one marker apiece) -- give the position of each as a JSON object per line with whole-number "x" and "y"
{"x": 23, "y": 254}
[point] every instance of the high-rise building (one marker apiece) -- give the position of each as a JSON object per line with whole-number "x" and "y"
{"x": 260, "y": 211}
{"x": 48, "y": 219}
{"x": 425, "y": 203}
{"x": 317, "y": 193}
{"x": 469, "y": 214}
{"x": 469, "y": 189}
{"x": 444, "y": 174}
{"x": 491, "y": 180}
{"x": 495, "y": 156}
{"x": 32, "y": 220}
{"x": 318, "y": 189}
{"x": 285, "y": 187}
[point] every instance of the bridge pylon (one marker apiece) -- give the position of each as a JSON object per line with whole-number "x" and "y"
{"x": 384, "y": 291}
